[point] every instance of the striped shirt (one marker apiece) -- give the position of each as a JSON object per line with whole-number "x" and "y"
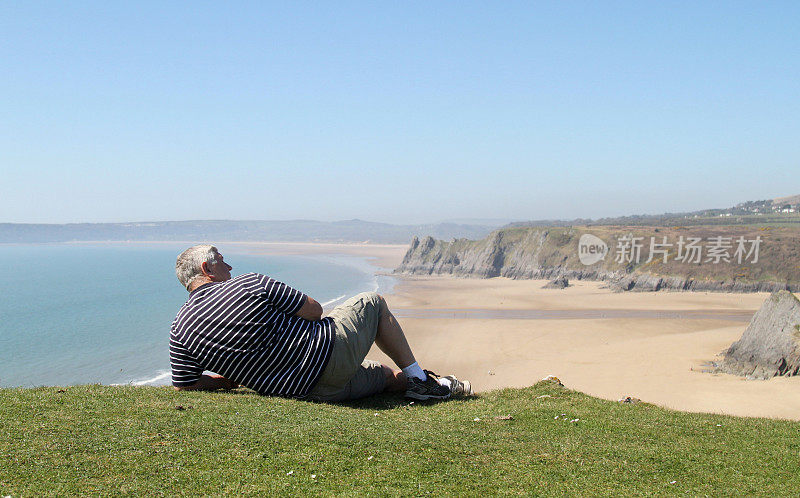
{"x": 245, "y": 330}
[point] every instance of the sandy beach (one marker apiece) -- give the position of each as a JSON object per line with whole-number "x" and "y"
{"x": 658, "y": 359}
{"x": 382, "y": 256}
{"x": 652, "y": 346}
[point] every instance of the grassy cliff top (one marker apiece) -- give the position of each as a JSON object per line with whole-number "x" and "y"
{"x": 540, "y": 440}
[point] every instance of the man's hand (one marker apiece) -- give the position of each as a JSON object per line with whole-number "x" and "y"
{"x": 311, "y": 310}
{"x": 210, "y": 383}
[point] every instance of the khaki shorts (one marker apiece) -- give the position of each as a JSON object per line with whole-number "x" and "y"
{"x": 348, "y": 375}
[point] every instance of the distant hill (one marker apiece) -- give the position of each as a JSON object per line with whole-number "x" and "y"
{"x": 794, "y": 200}
{"x": 778, "y": 211}
{"x": 219, "y": 230}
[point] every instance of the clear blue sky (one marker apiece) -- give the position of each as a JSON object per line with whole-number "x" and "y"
{"x": 394, "y": 111}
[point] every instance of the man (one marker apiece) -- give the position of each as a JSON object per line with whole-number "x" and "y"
{"x": 260, "y": 333}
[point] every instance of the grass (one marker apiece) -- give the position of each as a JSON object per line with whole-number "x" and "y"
{"x": 145, "y": 440}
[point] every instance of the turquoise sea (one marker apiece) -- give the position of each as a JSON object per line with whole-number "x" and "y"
{"x": 79, "y": 313}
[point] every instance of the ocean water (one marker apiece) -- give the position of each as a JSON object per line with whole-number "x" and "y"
{"x": 79, "y": 314}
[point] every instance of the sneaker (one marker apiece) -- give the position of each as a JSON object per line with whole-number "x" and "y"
{"x": 459, "y": 387}
{"x": 426, "y": 389}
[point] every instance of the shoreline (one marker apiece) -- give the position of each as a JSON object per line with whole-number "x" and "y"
{"x": 371, "y": 259}
{"x": 382, "y": 256}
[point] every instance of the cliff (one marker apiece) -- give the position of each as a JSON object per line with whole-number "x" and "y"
{"x": 550, "y": 252}
{"x": 770, "y": 345}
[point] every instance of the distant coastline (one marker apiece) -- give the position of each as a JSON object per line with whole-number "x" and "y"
{"x": 243, "y": 230}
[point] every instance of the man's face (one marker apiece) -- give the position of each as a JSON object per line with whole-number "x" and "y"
{"x": 219, "y": 271}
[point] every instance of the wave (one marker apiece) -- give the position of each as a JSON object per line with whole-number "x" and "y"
{"x": 154, "y": 381}
{"x": 378, "y": 283}
{"x": 375, "y": 285}
{"x": 328, "y": 303}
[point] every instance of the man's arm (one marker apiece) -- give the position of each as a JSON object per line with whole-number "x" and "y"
{"x": 311, "y": 310}
{"x": 288, "y": 300}
{"x": 209, "y": 383}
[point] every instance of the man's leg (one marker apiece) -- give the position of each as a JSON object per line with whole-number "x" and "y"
{"x": 391, "y": 339}
{"x": 361, "y": 321}
{"x": 348, "y": 375}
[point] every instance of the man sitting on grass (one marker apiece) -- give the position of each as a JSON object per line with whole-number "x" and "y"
{"x": 260, "y": 333}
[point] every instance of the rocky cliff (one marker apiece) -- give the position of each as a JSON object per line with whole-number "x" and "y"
{"x": 770, "y": 345}
{"x": 547, "y": 253}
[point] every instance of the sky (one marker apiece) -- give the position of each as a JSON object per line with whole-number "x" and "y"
{"x": 400, "y": 112}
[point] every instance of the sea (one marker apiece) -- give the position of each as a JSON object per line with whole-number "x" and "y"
{"x": 101, "y": 313}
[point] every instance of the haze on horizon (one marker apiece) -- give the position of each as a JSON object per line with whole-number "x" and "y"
{"x": 406, "y": 113}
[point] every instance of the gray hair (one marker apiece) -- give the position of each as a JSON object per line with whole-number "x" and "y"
{"x": 189, "y": 264}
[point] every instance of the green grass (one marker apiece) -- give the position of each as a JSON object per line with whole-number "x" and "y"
{"x": 135, "y": 440}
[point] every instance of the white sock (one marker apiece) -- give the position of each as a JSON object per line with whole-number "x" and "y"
{"x": 445, "y": 382}
{"x": 415, "y": 371}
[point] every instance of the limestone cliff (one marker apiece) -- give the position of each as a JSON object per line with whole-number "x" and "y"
{"x": 770, "y": 345}
{"x": 547, "y": 253}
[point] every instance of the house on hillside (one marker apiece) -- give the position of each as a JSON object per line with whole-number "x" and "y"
{"x": 787, "y": 208}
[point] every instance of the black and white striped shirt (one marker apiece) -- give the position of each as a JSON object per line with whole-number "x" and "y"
{"x": 245, "y": 330}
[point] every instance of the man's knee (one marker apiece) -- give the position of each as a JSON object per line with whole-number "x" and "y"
{"x": 368, "y": 297}
{"x": 373, "y": 296}
{"x": 382, "y": 306}
{"x": 378, "y": 301}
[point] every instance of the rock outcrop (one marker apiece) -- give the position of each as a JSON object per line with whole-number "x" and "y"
{"x": 643, "y": 282}
{"x": 557, "y": 283}
{"x": 770, "y": 345}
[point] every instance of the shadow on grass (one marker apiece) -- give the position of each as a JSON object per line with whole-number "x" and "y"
{"x": 376, "y": 402}
{"x": 390, "y": 401}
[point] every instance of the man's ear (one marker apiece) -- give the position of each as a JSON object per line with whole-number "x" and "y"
{"x": 204, "y": 268}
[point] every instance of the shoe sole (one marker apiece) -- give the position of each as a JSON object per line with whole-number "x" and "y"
{"x": 425, "y": 397}
{"x": 465, "y": 384}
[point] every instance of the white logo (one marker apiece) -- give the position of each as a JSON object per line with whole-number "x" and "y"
{"x": 591, "y": 249}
